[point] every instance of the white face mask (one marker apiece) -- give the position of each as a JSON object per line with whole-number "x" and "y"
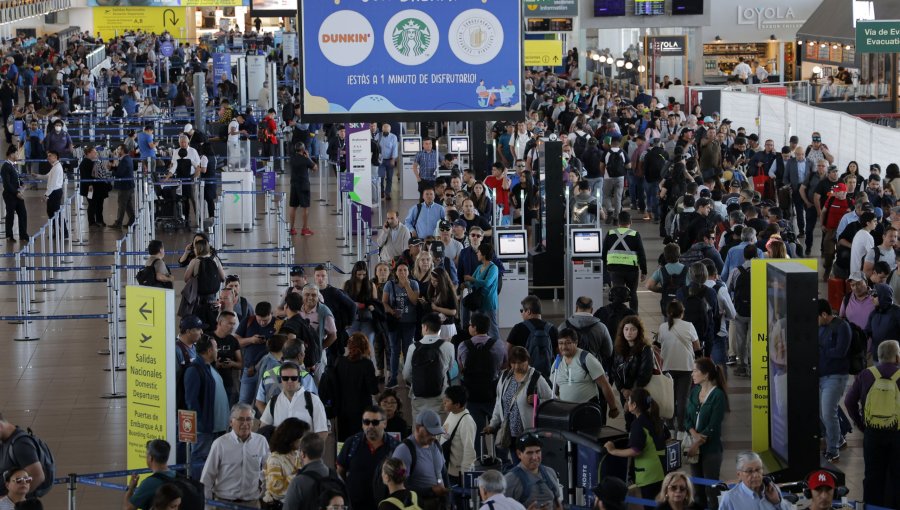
{"x": 58, "y": 128}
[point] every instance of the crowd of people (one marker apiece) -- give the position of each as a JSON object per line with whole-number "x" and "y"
{"x": 272, "y": 381}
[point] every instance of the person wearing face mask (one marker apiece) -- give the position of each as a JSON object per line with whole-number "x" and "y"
{"x": 58, "y": 140}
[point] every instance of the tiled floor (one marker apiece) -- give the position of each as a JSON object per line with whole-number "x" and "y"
{"x": 54, "y": 385}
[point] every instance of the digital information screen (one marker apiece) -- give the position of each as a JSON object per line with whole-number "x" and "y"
{"x": 511, "y": 245}
{"x": 586, "y": 243}
{"x": 649, "y": 7}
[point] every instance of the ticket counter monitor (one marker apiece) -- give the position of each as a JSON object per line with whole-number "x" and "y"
{"x": 512, "y": 249}
{"x": 409, "y": 147}
{"x": 584, "y": 271}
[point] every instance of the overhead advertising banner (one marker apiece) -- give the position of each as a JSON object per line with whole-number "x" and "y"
{"x": 109, "y": 21}
{"x": 150, "y": 384}
{"x": 459, "y": 59}
{"x": 551, "y": 8}
{"x": 543, "y": 52}
{"x": 167, "y": 3}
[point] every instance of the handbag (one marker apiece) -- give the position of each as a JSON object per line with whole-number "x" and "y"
{"x": 662, "y": 390}
{"x": 687, "y": 442}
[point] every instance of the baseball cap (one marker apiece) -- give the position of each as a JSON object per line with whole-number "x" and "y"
{"x": 297, "y": 271}
{"x": 875, "y": 166}
{"x": 191, "y": 322}
{"x": 839, "y": 188}
{"x": 726, "y": 121}
{"x": 819, "y": 479}
{"x": 444, "y": 225}
{"x": 735, "y": 184}
{"x": 857, "y": 276}
{"x": 460, "y": 223}
{"x": 611, "y": 491}
{"x": 415, "y": 241}
{"x": 188, "y": 127}
{"x": 431, "y": 421}
{"x": 868, "y": 207}
{"x": 708, "y": 120}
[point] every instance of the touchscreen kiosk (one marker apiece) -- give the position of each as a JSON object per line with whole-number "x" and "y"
{"x": 411, "y": 145}
{"x": 586, "y": 243}
{"x": 459, "y": 144}
{"x": 511, "y": 245}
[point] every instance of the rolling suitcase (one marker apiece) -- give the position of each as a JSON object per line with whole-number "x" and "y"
{"x": 837, "y": 289}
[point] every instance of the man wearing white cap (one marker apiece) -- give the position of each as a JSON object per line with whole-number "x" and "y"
{"x": 195, "y": 138}
{"x": 424, "y": 460}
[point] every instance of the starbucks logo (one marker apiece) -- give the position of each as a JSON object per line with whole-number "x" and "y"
{"x": 476, "y": 36}
{"x": 411, "y": 37}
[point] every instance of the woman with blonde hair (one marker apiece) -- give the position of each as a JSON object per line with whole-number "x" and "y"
{"x": 394, "y": 474}
{"x": 677, "y": 493}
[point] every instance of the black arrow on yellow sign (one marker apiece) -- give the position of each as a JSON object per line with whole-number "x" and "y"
{"x": 144, "y": 311}
{"x": 145, "y": 338}
{"x": 173, "y": 19}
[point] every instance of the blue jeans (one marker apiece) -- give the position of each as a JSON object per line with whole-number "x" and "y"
{"x": 719, "y": 353}
{"x": 652, "y": 190}
{"x": 831, "y": 389}
{"x": 636, "y": 191}
{"x": 400, "y": 342}
{"x": 386, "y": 172}
{"x": 248, "y": 387}
{"x": 494, "y": 331}
{"x": 367, "y": 329}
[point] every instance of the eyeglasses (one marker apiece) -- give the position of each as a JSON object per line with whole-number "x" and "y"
{"x": 754, "y": 471}
{"x": 520, "y": 166}
{"x": 678, "y": 488}
{"x": 286, "y": 378}
{"x": 22, "y": 479}
{"x": 373, "y": 423}
{"x": 244, "y": 418}
{"x": 475, "y": 235}
{"x": 566, "y": 342}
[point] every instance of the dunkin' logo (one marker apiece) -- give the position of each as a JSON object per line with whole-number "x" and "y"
{"x": 346, "y": 38}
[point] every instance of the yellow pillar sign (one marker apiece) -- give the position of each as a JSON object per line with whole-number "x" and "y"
{"x": 543, "y": 52}
{"x": 112, "y": 21}
{"x": 759, "y": 349}
{"x": 150, "y": 355}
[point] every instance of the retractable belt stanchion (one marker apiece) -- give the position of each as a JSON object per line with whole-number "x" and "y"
{"x": 323, "y": 179}
{"x": 112, "y": 319}
{"x": 268, "y": 215}
{"x": 31, "y": 272}
{"x": 78, "y": 223}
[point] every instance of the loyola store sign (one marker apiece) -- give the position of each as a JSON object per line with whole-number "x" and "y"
{"x": 666, "y": 45}
{"x": 768, "y": 17}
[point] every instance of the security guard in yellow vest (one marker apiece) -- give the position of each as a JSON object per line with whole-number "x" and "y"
{"x": 623, "y": 254}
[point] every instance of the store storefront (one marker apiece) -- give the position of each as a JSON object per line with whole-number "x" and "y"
{"x": 764, "y": 32}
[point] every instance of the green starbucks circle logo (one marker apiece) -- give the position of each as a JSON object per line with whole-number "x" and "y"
{"x": 411, "y": 37}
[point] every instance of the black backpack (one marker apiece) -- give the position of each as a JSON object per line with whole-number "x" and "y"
{"x": 147, "y": 277}
{"x": 589, "y": 343}
{"x": 208, "y": 281}
{"x": 427, "y": 372}
{"x": 671, "y": 283}
{"x": 615, "y": 164}
{"x": 655, "y": 162}
{"x": 192, "y": 491}
{"x": 479, "y": 376}
{"x": 376, "y": 151}
{"x": 580, "y": 145}
{"x": 45, "y": 457}
{"x": 309, "y": 337}
{"x": 539, "y": 348}
{"x": 699, "y": 312}
{"x": 323, "y": 484}
{"x": 856, "y": 353}
{"x": 742, "y": 292}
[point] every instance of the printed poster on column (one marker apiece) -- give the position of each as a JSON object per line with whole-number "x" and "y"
{"x": 360, "y": 146}
{"x": 461, "y": 59}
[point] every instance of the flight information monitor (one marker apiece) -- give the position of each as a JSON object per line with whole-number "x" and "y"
{"x": 587, "y": 243}
{"x": 649, "y": 7}
{"x": 411, "y": 145}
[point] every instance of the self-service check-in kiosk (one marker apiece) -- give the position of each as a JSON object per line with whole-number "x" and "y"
{"x": 512, "y": 249}
{"x": 409, "y": 147}
{"x": 584, "y": 272}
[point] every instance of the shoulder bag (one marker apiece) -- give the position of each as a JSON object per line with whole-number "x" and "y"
{"x": 662, "y": 389}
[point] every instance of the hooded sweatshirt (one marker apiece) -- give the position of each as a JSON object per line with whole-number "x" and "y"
{"x": 884, "y": 322}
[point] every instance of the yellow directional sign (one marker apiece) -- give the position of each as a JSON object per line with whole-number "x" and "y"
{"x": 112, "y": 21}
{"x": 150, "y": 360}
{"x": 543, "y": 52}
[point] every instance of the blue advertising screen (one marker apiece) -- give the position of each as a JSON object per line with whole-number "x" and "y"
{"x": 460, "y": 59}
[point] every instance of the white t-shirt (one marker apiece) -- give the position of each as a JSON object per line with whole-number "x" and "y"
{"x": 887, "y": 255}
{"x": 862, "y": 243}
{"x": 234, "y": 127}
{"x": 296, "y": 408}
{"x": 677, "y": 345}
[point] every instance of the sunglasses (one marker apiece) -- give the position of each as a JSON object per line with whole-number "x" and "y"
{"x": 373, "y": 423}
{"x": 22, "y": 479}
{"x": 474, "y": 235}
{"x": 678, "y": 488}
{"x": 290, "y": 378}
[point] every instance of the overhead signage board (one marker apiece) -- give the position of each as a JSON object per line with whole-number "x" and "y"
{"x": 150, "y": 383}
{"x": 112, "y": 21}
{"x": 543, "y": 52}
{"x": 360, "y": 146}
{"x": 666, "y": 45}
{"x": 881, "y": 36}
{"x": 441, "y": 60}
{"x": 551, "y": 8}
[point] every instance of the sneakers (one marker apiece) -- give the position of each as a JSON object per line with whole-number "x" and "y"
{"x": 647, "y": 217}
{"x": 833, "y": 457}
{"x": 306, "y": 232}
{"x": 732, "y": 360}
{"x": 842, "y": 443}
{"x": 293, "y": 231}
